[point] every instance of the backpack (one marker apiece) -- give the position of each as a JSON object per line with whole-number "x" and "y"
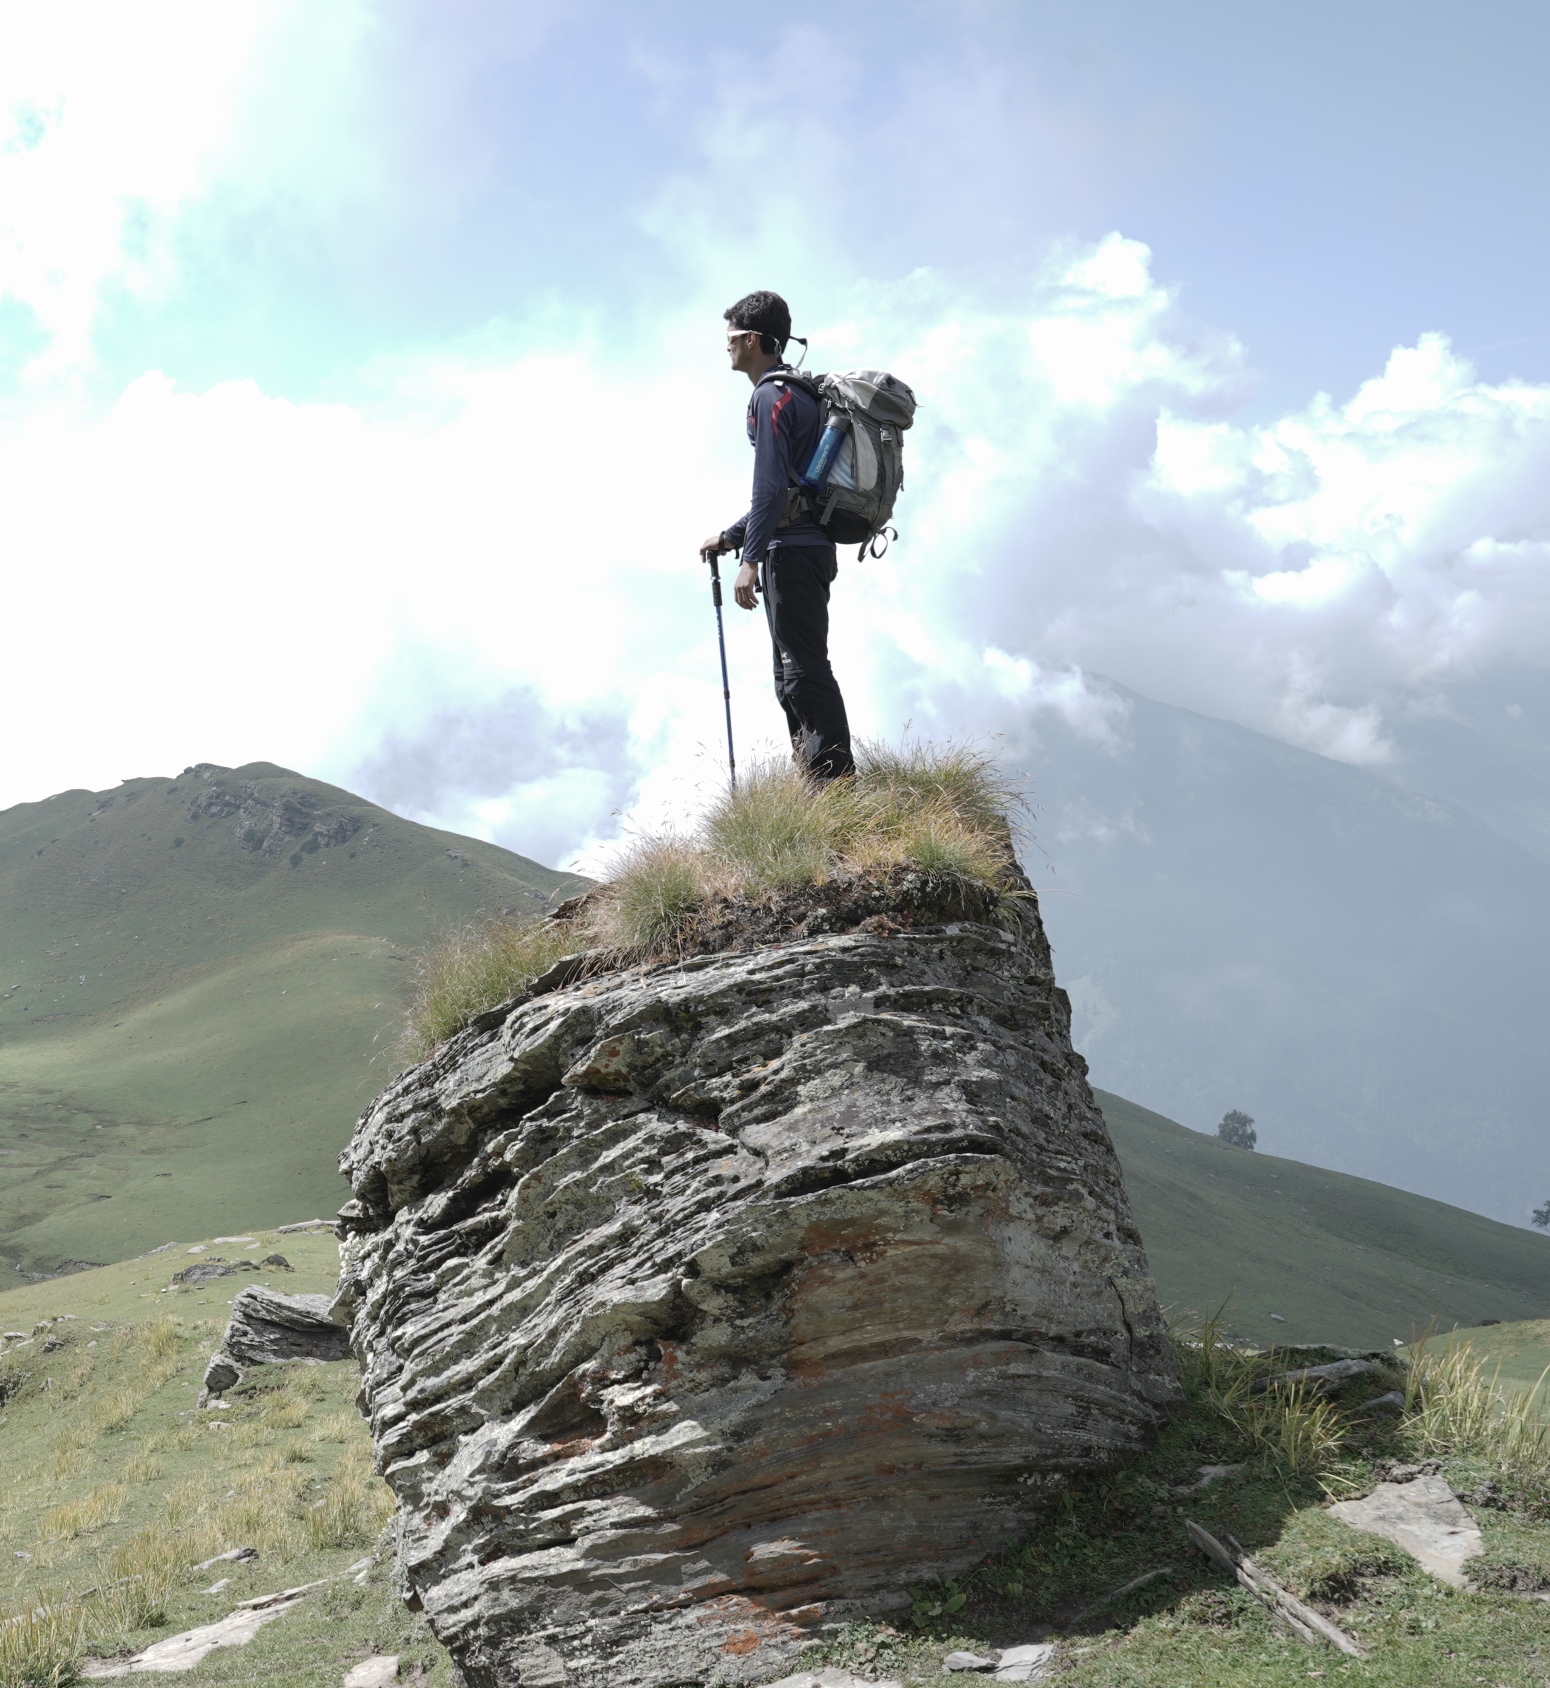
{"x": 856, "y": 471}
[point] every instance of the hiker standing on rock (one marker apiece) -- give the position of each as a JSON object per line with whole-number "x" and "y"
{"x": 786, "y": 555}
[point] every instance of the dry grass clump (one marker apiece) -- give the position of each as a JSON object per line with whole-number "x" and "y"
{"x": 944, "y": 808}
{"x": 39, "y": 1646}
{"x": 358, "y": 1503}
{"x": 467, "y": 969}
{"x": 1295, "y": 1428}
{"x": 136, "y": 1583}
{"x": 658, "y": 884}
{"x": 115, "y": 1410}
{"x": 1454, "y": 1405}
{"x": 283, "y": 1411}
{"x": 1290, "y": 1426}
{"x": 143, "y": 1467}
{"x": 70, "y": 1459}
{"x": 81, "y": 1517}
{"x": 776, "y": 831}
{"x": 338, "y": 1427}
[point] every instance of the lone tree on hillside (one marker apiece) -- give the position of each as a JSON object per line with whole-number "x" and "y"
{"x": 1237, "y": 1128}
{"x": 1542, "y": 1217}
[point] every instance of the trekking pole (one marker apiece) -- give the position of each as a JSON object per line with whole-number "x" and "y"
{"x": 721, "y": 639}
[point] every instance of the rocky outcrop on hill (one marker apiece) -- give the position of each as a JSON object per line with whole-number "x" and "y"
{"x": 702, "y": 1304}
{"x": 267, "y": 1328}
{"x": 270, "y": 822}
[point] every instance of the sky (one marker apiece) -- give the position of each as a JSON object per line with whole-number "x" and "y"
{"x": 363, "y": 395}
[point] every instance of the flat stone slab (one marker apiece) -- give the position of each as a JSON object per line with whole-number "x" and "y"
{"x": 1425, "y": 1518}
{"x": 1026, "y": 1664}
{"x": 831, "y": 1676}
{"x": 373, "y": 1673}
{"x": 182, "y": 1652}
{"x": 267, "y": 1327}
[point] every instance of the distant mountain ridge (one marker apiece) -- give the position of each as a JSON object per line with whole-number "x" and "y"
{"x": 195, "y": 976}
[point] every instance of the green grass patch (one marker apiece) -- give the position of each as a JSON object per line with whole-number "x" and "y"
{"x": 1518, "y": 1351}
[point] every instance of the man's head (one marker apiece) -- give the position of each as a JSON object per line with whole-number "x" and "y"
{"x": 758, "y": 327}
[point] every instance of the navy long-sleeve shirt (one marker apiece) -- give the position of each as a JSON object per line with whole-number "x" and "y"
{"x": 784, "y": 422}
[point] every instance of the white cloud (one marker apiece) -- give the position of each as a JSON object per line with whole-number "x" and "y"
{"x": 499, "y": 549}
{"x": 116, "y": 120}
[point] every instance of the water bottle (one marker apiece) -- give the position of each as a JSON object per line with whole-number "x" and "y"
{"x": 816, "y": 475}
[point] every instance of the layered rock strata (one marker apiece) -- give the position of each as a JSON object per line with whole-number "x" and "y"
{"x": 702, "y": 1304}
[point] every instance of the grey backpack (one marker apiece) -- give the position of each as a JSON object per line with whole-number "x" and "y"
{"x": 856, "y": 471}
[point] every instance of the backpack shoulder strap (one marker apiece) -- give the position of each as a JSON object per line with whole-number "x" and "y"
{"x": 784, "y": 373}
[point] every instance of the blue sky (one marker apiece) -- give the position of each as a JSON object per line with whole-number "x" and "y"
{"x": 366, "y": 359}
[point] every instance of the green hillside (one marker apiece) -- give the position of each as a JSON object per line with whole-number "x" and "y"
{"x": 196, "y": 975}
{"x": 1341, "y": 1259}
{"x": 1518, "y": 1355}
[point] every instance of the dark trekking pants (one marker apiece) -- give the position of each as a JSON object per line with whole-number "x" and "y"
{"x": 796, "y": 581}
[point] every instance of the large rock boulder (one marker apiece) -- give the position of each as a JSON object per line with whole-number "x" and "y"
{"x": 702, "y": 1304}
{"x": 267, "y": 1328}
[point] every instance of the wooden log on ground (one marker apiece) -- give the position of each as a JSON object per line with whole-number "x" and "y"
{"x": 1306, "y": 1624}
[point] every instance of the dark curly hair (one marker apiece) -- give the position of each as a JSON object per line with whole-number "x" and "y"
{"x": 767, "y": 312}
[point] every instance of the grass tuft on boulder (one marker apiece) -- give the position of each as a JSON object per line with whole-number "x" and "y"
{"x": 468, "y": 968}
{"x": 943, "y": 809}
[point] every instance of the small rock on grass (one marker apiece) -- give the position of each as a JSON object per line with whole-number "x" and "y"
{"x": 967, "y": 1661}
{"x": 1026, "y": 1664}
{"x": 1391, "y": 1402}
{"x": 373, "y": 1673}
{"x": 1205, "y": 1476}
{"x": 1328, "y": 1379}
{"x": 231, "y": 1555}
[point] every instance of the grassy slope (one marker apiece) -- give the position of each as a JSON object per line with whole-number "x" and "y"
{"x": 72, "y": 1493}
{"x": 1342, "y": 1259}
{"x": 1520, "y": 1350}
{"x": 190, "y": 999}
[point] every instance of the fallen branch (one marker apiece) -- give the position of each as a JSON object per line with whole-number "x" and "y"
{"x": 1306, "y": 1624}
{"x": 1127, "y": 1588}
